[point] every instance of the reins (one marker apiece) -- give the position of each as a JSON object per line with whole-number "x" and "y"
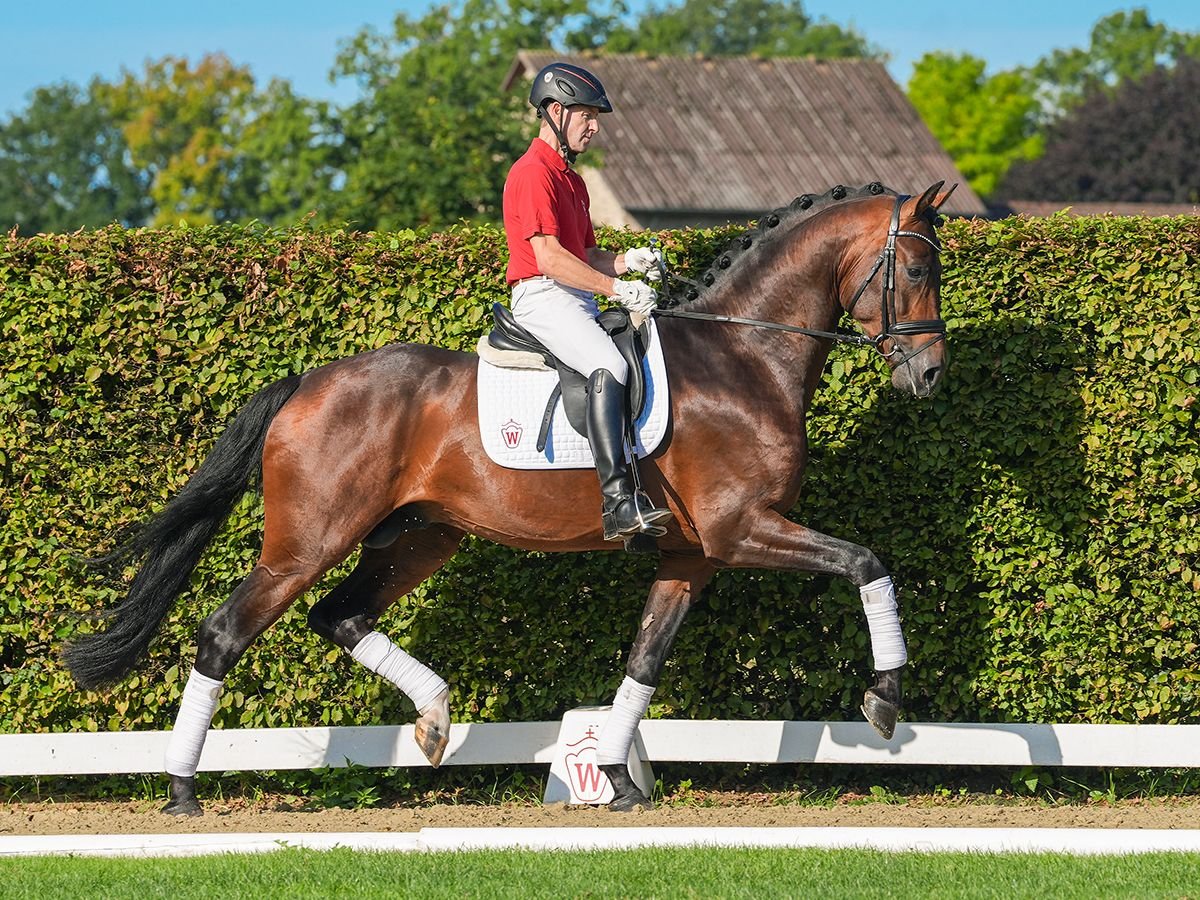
{"x": 844, "y": 337}
{"x": 890, "y": 328}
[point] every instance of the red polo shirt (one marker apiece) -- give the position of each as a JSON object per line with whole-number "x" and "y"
{"x": 543, "y": 195}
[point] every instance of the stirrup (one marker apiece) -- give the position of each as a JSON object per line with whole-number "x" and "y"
{"x": 647, "y": 517}
{"x": 650, "y": 515}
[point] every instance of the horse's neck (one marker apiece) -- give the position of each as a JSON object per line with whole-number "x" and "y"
{"x": 795, "y": 286}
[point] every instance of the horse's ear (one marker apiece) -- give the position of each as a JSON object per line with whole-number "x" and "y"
{"x": 931, "y": 199}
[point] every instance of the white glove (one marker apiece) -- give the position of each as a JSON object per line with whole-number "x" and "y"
{"x": 645, "y": 260}
{"x": 635, "y": 296}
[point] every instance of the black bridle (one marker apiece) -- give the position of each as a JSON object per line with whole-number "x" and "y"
{"x": 889, "y": 326}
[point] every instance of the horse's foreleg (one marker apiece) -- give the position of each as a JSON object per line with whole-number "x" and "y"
{"x": 677, "y": 584}
{"x": 881, "y": 701}
{"x": 774, "y": 542}
{"x": 347, "y": 616}
{"x": 222, "y": 639}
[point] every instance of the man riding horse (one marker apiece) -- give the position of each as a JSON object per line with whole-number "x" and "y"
{"x": 556, "y": 270}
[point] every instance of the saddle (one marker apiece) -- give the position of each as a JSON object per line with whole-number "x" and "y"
{"x": 630, "y": 341}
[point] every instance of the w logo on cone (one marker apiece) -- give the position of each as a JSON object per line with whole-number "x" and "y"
{"x": 575, "y": 776}
{"x": 588, "y": 783}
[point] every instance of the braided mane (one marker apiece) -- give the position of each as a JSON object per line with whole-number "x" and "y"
{"x": 771, "y": 226}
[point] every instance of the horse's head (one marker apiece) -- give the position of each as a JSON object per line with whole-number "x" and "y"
{"x": 892, "y": 286}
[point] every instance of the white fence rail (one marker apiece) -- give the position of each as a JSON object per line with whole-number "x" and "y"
{"x": 661, "y": 740}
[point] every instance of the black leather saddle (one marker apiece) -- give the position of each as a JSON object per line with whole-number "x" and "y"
{"x": 572, "y": 386}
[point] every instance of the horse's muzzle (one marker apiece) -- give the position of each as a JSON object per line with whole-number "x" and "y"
{"x": 919, "y": 371}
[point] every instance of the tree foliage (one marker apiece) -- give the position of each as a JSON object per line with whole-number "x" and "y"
{"x": 1137, "y": 144}
{"x": 428, "y": 143}
{"x": 64, "y": 164}
{"x": 986, "y": 123}
{"x": 433, "y": 134}
{"x": 1123, "y": 46}
{"x": 735, "y": 28}
{"x": 431, "y": 137}
{"x": 989, "y": 123}
{"x": 217, "y": 148}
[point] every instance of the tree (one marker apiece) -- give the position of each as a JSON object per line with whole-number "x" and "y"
{"x": 1137, "y": 144}
{"x": 290, "y": 159}
{"x": 181, "y": 125}
{"x": 986, "y": 123}
{"x": 1124, "y": 46}
{"x": 989, "y": 123}
{"x": 432, "y": 137}
{"x": 217, "y": 149}
{"x": 768, "y": 28}
{"x": 64, "y": 165}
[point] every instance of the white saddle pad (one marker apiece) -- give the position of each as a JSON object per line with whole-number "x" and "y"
{"x": 512, "y": 403}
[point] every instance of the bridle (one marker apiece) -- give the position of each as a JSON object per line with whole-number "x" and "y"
{"x": 890, "y": 328}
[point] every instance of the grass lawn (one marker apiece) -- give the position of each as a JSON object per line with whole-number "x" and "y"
{"x": 656, "y": 872}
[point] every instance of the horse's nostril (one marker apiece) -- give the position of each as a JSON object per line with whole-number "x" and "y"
{"x": 932, "y": 374}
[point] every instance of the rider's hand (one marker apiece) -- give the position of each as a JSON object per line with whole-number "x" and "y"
{"x": 645, "y": 260}
{"x": 635, "y": 296}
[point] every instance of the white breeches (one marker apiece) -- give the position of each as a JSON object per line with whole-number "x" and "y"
{"x": 565, "y": 321}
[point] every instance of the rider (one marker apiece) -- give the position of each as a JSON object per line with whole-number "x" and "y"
{"x": 555, "y": 270}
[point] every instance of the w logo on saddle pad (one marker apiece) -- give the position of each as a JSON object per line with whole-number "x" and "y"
{"x": 511, "y": 432}
{"x": 512, "y": 403}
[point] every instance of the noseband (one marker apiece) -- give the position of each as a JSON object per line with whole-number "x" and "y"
{"x": 889, "y": 326}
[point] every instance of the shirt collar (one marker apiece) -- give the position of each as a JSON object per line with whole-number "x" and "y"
{"x": 548, "y": 154}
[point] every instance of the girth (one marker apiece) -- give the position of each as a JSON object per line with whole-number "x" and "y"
{"x": 572, "y": 386}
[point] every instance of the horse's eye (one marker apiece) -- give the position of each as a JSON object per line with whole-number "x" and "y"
{"x": 916, "y": 272}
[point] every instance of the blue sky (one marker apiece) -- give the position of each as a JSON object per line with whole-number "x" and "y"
{"x": 71, "y": 40}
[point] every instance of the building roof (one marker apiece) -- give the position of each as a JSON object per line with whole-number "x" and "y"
{"x": 740, "y": 136}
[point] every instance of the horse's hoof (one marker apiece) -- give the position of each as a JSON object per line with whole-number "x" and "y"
{"x": 186, "y": 807}
{"x": 881, "y": 713}
{"x": 627, "y": 796}
{"x": 631, "y": 803}
{"x": 432, "y": 731}
{"x": 182, "y": 797}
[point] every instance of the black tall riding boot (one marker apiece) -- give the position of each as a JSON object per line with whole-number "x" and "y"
{"x": 624, "y": 513}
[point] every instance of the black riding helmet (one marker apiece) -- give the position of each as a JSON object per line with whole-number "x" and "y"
{"x": 570, "y": 86}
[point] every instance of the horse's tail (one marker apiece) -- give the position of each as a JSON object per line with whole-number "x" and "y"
{"x": 173, "y": 541}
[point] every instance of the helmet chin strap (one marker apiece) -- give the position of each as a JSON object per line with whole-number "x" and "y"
{"x": 563, "y": 147}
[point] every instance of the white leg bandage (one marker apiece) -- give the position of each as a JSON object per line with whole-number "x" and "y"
{"x": 887, "y": 641}
{"x": 196, "y": 709}
{"x": 616, "y": 737}
{"x": 422, "y": 685}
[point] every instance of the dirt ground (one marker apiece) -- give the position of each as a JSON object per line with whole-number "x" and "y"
{"x": 143, "y": 817}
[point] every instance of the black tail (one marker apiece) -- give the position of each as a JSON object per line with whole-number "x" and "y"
{"x": 172, "y": 542}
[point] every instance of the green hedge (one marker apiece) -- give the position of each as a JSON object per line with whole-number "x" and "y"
{"x": 1039, "y": 514}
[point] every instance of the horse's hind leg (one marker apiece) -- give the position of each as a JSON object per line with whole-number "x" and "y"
{"x": 222, "y": 639}
{"x": 347, "y": 616}
{"x": 677, "y": 586}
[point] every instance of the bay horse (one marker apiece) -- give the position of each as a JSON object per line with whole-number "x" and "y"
{"x": 409, "y": 478}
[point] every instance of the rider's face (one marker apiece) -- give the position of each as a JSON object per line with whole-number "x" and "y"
{"x": 580, "y": 125}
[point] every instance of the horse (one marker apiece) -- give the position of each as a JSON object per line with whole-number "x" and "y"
{"x": 744, "y": 355}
